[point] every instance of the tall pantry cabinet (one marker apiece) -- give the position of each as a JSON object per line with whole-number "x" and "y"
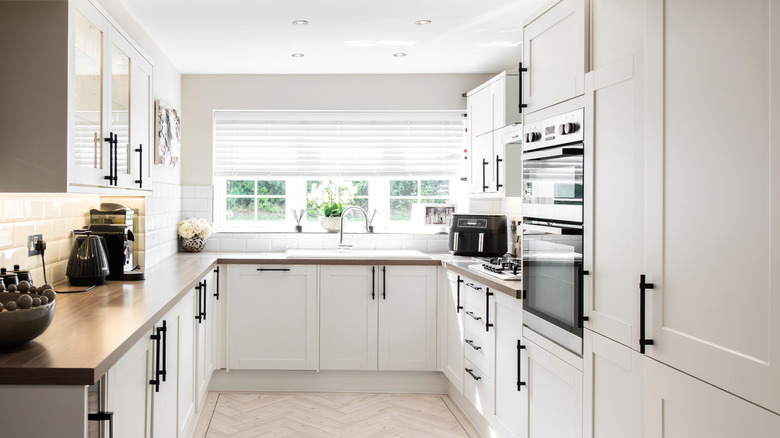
{"x": 711, "y": 307}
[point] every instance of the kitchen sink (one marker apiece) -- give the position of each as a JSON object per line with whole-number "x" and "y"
{"x": 356, "y": 254}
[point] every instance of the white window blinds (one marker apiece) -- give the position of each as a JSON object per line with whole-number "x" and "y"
{"x": 280, "y": 144}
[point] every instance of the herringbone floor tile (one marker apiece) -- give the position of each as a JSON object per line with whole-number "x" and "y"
{"x": 325, "y": 415}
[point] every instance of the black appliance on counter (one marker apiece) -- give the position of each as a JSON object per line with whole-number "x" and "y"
{"x": 480, "y": 235}
{"x": 118, "y": 245}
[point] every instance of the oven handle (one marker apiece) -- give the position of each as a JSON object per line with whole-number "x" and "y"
{"x": 551, "y": 229}
{"x": 564, "y": 151}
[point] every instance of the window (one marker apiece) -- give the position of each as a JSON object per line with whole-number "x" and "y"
{"x": 266, "y": 164}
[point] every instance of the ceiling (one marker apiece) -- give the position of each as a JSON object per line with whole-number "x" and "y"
{"x": 342, "y": 36}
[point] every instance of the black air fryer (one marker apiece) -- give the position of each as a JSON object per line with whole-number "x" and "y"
{"x": 480, "y": 235}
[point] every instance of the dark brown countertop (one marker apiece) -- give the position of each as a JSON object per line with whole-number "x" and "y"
{"x": 92, "y": 330}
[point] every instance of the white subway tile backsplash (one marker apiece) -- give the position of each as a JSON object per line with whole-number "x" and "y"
{"x": 438, "y": 246}
{"x": 13, "y": 209}
{"x": 232, "y": 245}
{"x": 193, "y": 204}
{"x": 203, "y": 192}
{"x": 258, "y": 245}
{"x": 388, "y": 244}
{"x": 419, "y": 245}
{"x": 187, "y": 192}
{"x": 6, "y": 236}
{"x": 21, "y": 231}
{"x": 211, "y": 245}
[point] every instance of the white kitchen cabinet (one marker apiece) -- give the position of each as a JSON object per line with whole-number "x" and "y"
{"x": 553, "y": 401}
{"x": 491, "y": 106}
{"x": 613, "y": 389}
{"x": 452, "y": 365}
{"x": 128, "y": 392}
{"x": 714, "y": 311}
{"x": 613, "y": 232}
{"x": 272, "y": 317}
{"x": 182, "y": 332}
{"x": 378, "y": 317}
{"x": 84, "y": 80}
{"x": 207, "y": 333}
{"x": 508, "y": 390}
{"x": 677, "y": 405}
{"x": 555, "y": 54}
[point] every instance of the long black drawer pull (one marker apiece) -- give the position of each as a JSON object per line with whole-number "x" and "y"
{"x": 103, "y": 416}
{"x": 471, "y": 371}
{"x": 384, "y": 282}
{"x": 488, "y": 324}
{"x": 199, "y": 313}
{"x": 164, "y": 331}
{"x": 498, "y": 160}
{"x": 642, "y": 288}
{"x": 205, "y": 300}
{"x": 521, "y": 105}
{"x": 520, "y": 382}
{"x": 458, "y": 307}
{"x": 473, "y": 286}
{"x": 471, "y": 314}
{"x": 216, "y": 289}
{"x": 156, "y": 381}
{"x": 273, "y": 269}
{"x": 110, "y": 140}
{"x": 373, "y": 282}
{"x": 140, "y": 180}
{"x": 484, "y": 163}
{"x": 471, "y": 343}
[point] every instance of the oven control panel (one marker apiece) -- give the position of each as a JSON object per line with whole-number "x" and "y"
{"x": 562, "y": 129}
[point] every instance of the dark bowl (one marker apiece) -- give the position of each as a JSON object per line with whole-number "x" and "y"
{"x": 23, "y": 325}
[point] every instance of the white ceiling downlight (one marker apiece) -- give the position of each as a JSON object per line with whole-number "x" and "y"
{"x": 422, "y": 22}
{"x": 297, "y": 55}
{"x": 399, "y": 54}
{"x": 300, "y": 22}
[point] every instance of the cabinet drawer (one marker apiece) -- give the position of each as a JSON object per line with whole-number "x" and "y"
{"x": 474, "y": 294}
{"x": 474, "y": 323}
{"x": 476, "y": 388}
{"x": 477, "y": 351}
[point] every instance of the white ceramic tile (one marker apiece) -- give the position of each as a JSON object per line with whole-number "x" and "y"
{"x": 258, "y": 245}
{"x": 46, "y": 228}
{"x": 438, "y": 246}
{"x": 6, "y": 236}
{"x": 309, "y": 243}
{"x": 212, "y": 245}
{"x": 232, "y": 245}
{"x": 13, "y": 209}
{"x": 187, "y": 192}
{"x": 33, "y": 209}
{"x": 51, "y": 208}
{"x": 419, "y": 245}
{"x": 193, "y": 204}
{"x": 203, "y": 192}
{"x": 59, "y": 229}
{"x": 360, "y": 244}
{"x": 1, "y": 210}
{"x": 388, "y": 244}
{"x": 57, "y": 271}
{"x": 21, "y": 231}
{"x": 283, "y": 243}
{"x": 14, "y": 256}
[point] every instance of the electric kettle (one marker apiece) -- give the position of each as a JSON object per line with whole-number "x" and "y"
{"x": 88, "y": 264}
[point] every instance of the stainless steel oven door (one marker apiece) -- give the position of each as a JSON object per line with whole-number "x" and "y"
{"x": 552, "y": 282}
{"x": 552, "y": 183}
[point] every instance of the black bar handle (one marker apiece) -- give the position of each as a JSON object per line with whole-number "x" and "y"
{"x": 488, "y": 324}
{"x": 116, "y": 158}
{"x": 140, "y": 180}
{"x": 498, "y": 160}
{"x": 521, "y": 70}
{"x": 458, "y": 307}
{"x": 471, "y": 314}
{"x": 643, "y": 286}
{"x": 273, "y": 269}
{"x": 110, "y": 140}
{"x": 205, "y": 300}
{"x": 199, "y": 313}
{"x": 471, "y": 371}
{"x": 581, "y": 317}
{"x": 103, "y": 416}
{"x": 471, "y": 343}
{"x": 484, "y": 163}
{"x": 373, "y": 282}
{"x": 164, "y": 331}
{"x": 520, "y": 382}
{"x": 384, "y": 282}
{"x": 156, "y": 381}
{"x": 216, "y": 292}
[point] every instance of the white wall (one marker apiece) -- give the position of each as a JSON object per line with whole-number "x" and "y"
{"x": 167, "y": 79}
{"x": 202, "y": 94}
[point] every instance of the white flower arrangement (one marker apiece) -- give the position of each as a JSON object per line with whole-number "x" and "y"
{"x": 194, "y": 227}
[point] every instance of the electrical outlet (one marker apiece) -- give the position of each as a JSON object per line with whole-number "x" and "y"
{"x": 32, "y": 240}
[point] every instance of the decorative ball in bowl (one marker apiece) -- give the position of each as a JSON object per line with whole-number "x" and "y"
{"x": 24, "y": 315}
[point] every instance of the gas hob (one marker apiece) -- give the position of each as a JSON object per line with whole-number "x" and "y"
{"x": 507, "y": 269}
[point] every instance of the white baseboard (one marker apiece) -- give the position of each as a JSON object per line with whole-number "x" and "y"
{"x": 411, "y": 382}
{"x": 479, "y": 422}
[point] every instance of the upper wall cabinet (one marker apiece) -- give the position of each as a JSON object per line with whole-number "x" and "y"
{"x": 555, "y": 54}
{"x": 78, "y": 114}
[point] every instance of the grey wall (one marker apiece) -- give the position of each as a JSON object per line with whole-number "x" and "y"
{"x": 202, "y": 94}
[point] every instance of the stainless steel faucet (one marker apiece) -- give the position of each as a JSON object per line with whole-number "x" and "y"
{"x": 341, "y": 228}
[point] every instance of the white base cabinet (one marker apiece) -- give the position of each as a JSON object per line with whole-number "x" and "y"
{"x": 207, "y": 333}
{"x": 378, "y": 317}
{"x": 452, "y": 337}
{"x": 272, "y": 317}
{"x": 508, "y": 387}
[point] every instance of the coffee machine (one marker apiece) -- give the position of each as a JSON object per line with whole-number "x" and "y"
{"x": 114, "y": 222}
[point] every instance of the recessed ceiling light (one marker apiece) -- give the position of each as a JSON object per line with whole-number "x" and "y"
{"x": 300, "y": 22}
{"x": 399, "y": 55}
{"x": 422, "y": 22}
{"x": 297, "y": 55}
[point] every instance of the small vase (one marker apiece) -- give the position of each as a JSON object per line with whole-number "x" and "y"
{"x": 193, "y": 244}
{"x": 331, "y": 224}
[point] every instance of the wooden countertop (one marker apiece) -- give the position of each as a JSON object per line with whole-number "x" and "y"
{"x": 92, "y": 330}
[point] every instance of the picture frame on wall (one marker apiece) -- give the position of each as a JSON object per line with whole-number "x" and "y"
{"x": 439, "y": 214}
{"x": 167, "y": 139}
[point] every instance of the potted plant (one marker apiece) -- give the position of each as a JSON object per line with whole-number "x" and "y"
{"x": 331, "y": 198}
{"x": 193, "y": 233}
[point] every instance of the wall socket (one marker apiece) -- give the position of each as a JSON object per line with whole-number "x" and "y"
{"x": 32, "y": 241}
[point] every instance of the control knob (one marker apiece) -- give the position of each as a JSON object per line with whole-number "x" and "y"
{"x": 531, "y": 137}
{"x": 568, "y": 128}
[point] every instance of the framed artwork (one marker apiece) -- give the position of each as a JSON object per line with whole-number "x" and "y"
{"x": 167, "y": 128}
{"x": 438, "y": 214}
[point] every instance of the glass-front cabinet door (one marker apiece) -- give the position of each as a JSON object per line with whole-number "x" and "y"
{"x": 87, "y": 156}
{"x": 119, "y": 123}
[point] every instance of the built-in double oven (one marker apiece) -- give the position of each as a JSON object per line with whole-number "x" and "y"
{"x": 552, "y": 268}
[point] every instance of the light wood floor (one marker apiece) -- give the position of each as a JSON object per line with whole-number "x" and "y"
{"x": 325, "y": 415}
